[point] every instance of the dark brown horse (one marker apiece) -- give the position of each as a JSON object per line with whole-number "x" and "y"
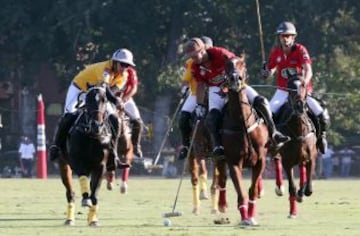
{"x": 87, "y": 154}
{"x": 245, "y": 138}
{"x": 198, "y": 170}
{"x": 301, "y": 150}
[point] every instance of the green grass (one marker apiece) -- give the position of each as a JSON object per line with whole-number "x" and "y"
{"x": 37, "y": 207}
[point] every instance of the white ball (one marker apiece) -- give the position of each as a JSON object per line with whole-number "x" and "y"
{"x": 166, "y": 222}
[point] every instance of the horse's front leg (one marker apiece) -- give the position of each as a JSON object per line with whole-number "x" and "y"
{"x": 221, "y": 165}
{"x": 292, "y": 191}
{"x": 95, "y": 184}
{"x": 203, "y": 173}
{"x": 66, "y": 178}
{"x": 194, "y": 172}
{"x": 310, "y": 169}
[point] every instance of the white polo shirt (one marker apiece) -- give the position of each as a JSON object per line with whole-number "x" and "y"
{"x": 27, "y": 150}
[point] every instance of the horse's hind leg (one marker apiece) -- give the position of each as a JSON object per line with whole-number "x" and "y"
{"x": 214, "y": 189}
{"x": 279, "y": 189}
{"x": 128, "y": 155}
{"x": 194, "y": 171}
{"x": 303, "y": 182}
{"x": 66, "y": 178}
{"x": 203, "y": 179}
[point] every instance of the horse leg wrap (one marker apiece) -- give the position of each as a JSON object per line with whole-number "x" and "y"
{"x": 70, "y": 212}
{"x": 203, "y": 184}
{"x": 243, "y": 211}
{"x": 84, "y": 185}
{"x": 196, "y": 194}
{"x": 251, "y": 208}
{"x": 92, "y": 215}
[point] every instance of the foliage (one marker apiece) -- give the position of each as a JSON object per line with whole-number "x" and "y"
{"x": 70, "y": 34}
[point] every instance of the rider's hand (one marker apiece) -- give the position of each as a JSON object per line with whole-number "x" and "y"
{"x": 265, "y": 72}
{"x": 200, "y": 111}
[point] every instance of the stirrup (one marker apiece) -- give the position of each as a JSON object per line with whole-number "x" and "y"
{"x": 183, "y": 153}
{"x": 322, "y": 144}
{"x": 280, "y": 139}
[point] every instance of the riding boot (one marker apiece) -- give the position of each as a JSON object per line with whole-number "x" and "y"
{"x": 213, "y": 124}
{"x": 324, "y": 123}
{"x": 185, "y": 129}
{"x": 262, "y": 106}
{"x": 136, "y": 132}
{"x": 64, "y": 124}
{"x": 114, "y": 160}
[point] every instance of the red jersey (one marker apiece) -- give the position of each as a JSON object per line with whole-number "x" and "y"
{"x": 212, "y": 74}
{"x": 294, "y": 61}
{"x": 132, "y": 80}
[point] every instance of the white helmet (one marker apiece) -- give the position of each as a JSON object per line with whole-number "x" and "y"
{"x": 123, "y": 55}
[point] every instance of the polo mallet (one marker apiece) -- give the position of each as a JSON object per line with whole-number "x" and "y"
{"x": 174, "y": 213}
{"x": 155, "y": 166}
{"x": 261, "y": 36}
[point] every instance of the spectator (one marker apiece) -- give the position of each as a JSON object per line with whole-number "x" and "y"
{"x": 26, "y": 152}
{"x": 345, "y": 161}
{"x": 327, "y": 162}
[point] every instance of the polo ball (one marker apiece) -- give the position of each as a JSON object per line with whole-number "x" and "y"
{"x": 166, "y": 222}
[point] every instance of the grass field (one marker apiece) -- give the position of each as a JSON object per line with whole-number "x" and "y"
{"x": 37, "y": 207}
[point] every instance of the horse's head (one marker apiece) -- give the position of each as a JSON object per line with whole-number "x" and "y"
{"x": 95, "y": 106}
{"x": 235, "y": 73}
{"x": 297, "y": 92}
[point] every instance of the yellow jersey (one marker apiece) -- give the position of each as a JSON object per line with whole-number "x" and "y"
{"x": 99, "y": 72}
{"x": 189, "y": 78}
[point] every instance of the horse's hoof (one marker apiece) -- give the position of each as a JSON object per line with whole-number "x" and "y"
{"x": 214, "y": 211}
{"x": 262, "y": 193}
{"x": 196, "y": 211}
{"x": 124, "y": 188}
{"x": 245, "y": 222}
{"x": 110, "y": 186}
{"x": 280, "y": 190}
{"x": 203, "y": 195}
{"x": 292, "y": 216}
{"x": 86, "y": 202}
{"x": 94, "y": 223}
{"x": 253, "y": 222}
{"x": 69, "y": 222}
{"x": 222, "y": 209}
{"x": 308, "y": 193}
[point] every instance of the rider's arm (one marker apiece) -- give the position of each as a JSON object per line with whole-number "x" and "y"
{"x": 307, "y": 72}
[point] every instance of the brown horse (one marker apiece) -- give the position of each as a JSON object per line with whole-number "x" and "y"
{"x": 245, "y": 137}
{"x": 198, "y": 170}
{"x": 87, "y": 153}
{"x": 126, "y": 155}
{"x": 301, "y": 150}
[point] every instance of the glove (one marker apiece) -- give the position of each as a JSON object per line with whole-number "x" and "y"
{"x": 265, "y": 72}
{"x": 184, "y": 91}
{"x": 200, "y": 111}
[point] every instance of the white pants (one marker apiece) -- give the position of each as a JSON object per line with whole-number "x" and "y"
{"x": 218, "y": 102}
{"x": 189, "y": 104}
{"x": 72, "y": 98}
{"x": 280, "y": 97}
{"x": 132, "y": 110}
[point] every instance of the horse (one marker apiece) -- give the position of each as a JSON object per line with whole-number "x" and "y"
{"x": 245, "y": 138}
{"x": 294, "y": 121}
{"x": 87, "y": 154}
{"x": 126, "y": 155}
{"x": 198, "y": 170}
